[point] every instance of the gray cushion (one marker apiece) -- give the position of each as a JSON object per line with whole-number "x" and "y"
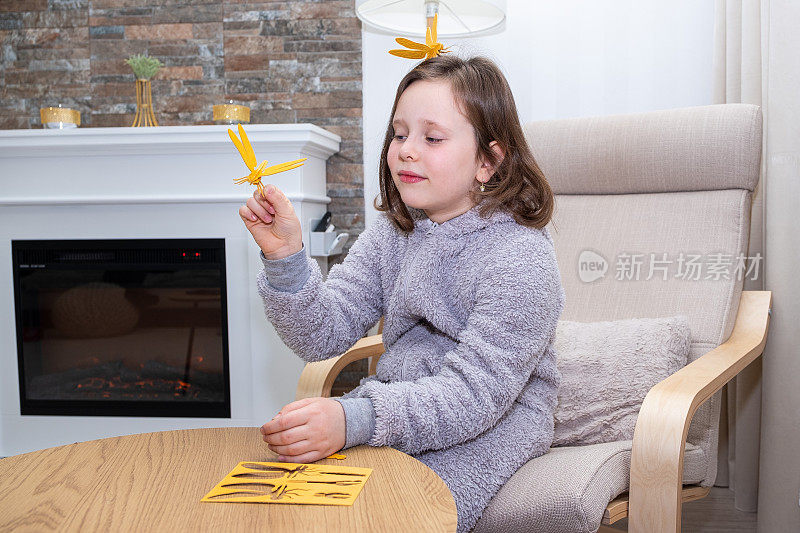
{"x": 567, "y": 489}
{"x": 607, "y": 368}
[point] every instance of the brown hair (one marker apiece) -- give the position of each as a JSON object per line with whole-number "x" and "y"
{"x": 482, "y": 93}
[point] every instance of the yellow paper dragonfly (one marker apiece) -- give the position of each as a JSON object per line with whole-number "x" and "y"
{"x": 249, "y": 157}
{"x": 430, "y": 49}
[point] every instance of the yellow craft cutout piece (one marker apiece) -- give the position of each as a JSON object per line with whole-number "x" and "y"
{"x": 339, "y": 456}
{"x": 249, "y": 158}
{"x": 256, "y": 482}
{"x": 430, "y": 49}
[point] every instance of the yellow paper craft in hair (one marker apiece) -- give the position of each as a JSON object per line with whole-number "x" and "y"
{"x": 260, "y": 170}
{"x": 256, "y": 482}
{"x": 430, "y": 49}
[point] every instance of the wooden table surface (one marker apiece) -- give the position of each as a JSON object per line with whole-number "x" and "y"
{"x": 154, "y": 482}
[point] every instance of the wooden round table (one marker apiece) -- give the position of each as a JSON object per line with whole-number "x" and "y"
{"x": 154, "y": 482}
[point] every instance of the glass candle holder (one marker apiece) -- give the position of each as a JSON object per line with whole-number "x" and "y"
{"x": 231, "y": 113}
{"x": 60, "y": 117}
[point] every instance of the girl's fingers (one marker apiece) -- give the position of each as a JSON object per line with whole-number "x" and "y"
{"x": 294, "y": 448}
{"x": 259, "y": 210}
{"x": 305, "y": 457}
{"x": 246, "y": 214}
{"x": 297, "y": 404}
{"x": 262, "y": 201}
{"x": 287, "y": 436}
{"x": 278, "y": 200}
{"x": 285, "y": 421}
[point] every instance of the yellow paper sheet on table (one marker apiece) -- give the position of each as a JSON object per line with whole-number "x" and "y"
{"x": 257, "y": 482}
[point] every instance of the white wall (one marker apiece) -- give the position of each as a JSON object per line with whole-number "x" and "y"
{"x": 567, "y": 59}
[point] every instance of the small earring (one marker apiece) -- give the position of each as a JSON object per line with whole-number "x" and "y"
{"x": 483, "y": 187}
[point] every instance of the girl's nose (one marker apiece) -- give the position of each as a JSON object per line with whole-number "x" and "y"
{"x": 407, "y": 151}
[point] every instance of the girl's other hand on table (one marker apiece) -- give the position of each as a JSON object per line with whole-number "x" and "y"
{"x": 306, "y": 430}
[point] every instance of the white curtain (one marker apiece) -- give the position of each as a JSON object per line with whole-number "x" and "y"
{"x": 738, "y": 77}
{"x": 779, "y": 470}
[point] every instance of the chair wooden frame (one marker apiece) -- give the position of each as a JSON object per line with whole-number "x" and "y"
{"x": 653, "y": 502}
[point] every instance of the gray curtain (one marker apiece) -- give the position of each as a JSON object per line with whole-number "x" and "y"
{"x": 737, "y": 78}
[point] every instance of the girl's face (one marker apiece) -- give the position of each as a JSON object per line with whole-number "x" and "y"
{"x": 434, "y": 141}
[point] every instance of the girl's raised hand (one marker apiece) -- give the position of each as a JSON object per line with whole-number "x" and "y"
{"x": 306, "y": 430}
{"x": 273, "y": 223}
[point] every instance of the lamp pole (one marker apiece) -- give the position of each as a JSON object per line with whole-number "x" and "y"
{"x": 431, "y": 9}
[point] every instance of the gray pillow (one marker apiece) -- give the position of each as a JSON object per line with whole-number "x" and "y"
{"x": 607, "y": 368}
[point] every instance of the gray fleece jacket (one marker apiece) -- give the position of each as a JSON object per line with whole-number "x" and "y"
{"x": 468, "y": 383}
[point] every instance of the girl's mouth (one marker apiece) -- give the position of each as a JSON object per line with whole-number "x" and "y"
{"x": 409, "y": 177}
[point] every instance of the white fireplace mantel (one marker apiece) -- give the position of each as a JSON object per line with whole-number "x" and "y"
{"x": 305, "y": 138}
{"x": 155, "y": 165}
{"x": 162, "y": 182}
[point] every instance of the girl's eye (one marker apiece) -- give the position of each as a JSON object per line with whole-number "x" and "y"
{"x": 433, "y": 140}
{"x": 399, "y": 137}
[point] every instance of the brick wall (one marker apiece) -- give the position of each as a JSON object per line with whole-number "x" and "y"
{"x": 290, "y": 62}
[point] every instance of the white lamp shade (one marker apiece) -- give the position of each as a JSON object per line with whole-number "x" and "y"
{"x": 457, "y": 18}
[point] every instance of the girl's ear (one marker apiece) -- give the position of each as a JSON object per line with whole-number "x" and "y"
{"x": 487, "y": 168}
{"x": 498, "y": 151}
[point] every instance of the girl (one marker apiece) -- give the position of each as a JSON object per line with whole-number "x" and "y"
{"x": 463, "y": 269}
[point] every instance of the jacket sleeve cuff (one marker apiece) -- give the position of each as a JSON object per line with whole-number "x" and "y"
{"x": 359, "y": 418}
{"x": 288, "y": 274}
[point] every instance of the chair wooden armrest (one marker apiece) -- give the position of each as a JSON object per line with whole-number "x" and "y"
{"x": 659, "y": 438}
{"x": 318, "y": 377}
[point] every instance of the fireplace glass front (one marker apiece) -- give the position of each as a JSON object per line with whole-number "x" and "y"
{"x": 127, "y": 327}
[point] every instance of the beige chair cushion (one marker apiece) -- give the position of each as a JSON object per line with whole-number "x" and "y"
{"x": 702, "y": 148}
{"x": 567, "y": 489}
{"x": 607, "y": 368}
{"x": 702, "y": 223}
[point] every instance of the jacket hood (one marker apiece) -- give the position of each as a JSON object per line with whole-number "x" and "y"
{"x": 466, "y": 222}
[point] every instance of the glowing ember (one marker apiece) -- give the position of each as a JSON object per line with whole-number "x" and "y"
{"x": 115, "y": 381}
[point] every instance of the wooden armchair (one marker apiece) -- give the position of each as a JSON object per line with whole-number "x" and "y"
{"x": 670, "y": 182}
{"x": 656, "y": 492}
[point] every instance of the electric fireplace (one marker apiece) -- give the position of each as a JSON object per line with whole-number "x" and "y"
{"x": 125, "y": 327}
{"x": 179, "y": 334}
